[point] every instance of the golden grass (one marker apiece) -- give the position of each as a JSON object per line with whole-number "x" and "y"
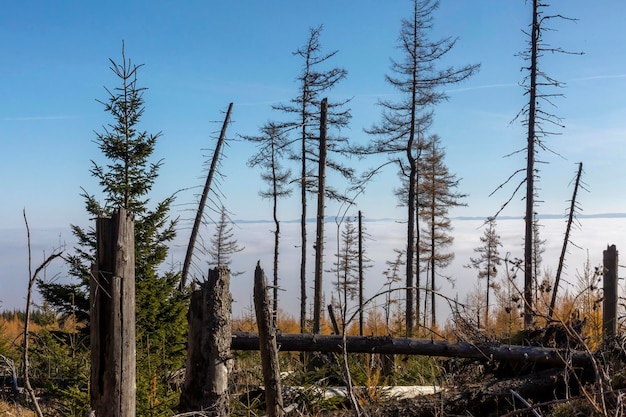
{"x": 10, "y": 410}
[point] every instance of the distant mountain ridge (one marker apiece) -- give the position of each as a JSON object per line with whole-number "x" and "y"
{"x": 333, "y": 219}
{"x": 550, "y": 216}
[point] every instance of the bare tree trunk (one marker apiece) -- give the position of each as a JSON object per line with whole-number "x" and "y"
{"x": 333, "y": 319}
{"x": 206, "y": 375}
{"x": 530, "y": 174}
{"x": 32, "y": 278}
{"x": 609, "y": 304}
{"x": 433, "y": 316}
{"x": 276, "y": 243}
{"x": 112, "y": 317}
{"x": 419, "y": 317}
{"x": 570, "y": 219}
{"x": 486, "y": 302}
{"x": 361, "y": 300}
{"x": 319, "y": 241}
{"x": 410, "y": 244}
{"x": 203, "y": 198}
{"x": 414, "y": 346}
{"x": 267, "y": 346}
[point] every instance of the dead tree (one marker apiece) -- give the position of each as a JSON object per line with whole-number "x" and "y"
{"x": 313, "y": 82}
{"x": 319, "y": 240}
{"x": 420, "y": 80}
{"x": 538, "y": 122}
{"x": 530, "y": 171}
{"x": 112, "y": 314}
{"x": 609, "y": 305}
{"x": 203, "y": 198}
{"x": 361, "y": 320}
{"x": 267, "y": 346}
{"x": 415, "y": 346}
{"x": 566, "y": 239}
{"x": 208, "y": 347}
{"x": 32, "y": 278}
{"x": 272, "y": 147}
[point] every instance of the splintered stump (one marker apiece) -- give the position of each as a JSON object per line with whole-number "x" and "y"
{"x": 206, "y": 376}
{"x": 610, "y": 278}
{"x": 112, "y": 316}
{"x": 267, "y": 346}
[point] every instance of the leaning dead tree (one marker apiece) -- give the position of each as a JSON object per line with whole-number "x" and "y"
{"x": 574, "y": 206}
{"x": 203, "y": 198}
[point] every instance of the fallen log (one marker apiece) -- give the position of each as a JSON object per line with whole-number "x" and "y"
{"x": 414, "y": 346}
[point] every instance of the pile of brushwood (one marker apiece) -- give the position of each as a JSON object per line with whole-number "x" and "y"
{"x": 596, "y": 387}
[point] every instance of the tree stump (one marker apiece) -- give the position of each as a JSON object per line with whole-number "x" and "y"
{"x": 112, "y": 317}
{"x": 208, "y": 352}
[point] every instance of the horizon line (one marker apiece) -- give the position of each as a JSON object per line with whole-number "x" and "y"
{"x": 461, "y": 218}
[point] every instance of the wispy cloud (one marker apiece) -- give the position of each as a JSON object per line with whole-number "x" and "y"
{"x": 598, "y": 77}
{"x": 36, "y": 118}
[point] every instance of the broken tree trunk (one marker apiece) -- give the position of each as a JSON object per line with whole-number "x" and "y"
{"x": 609, "y": 304}
{"x": 203, "y": 198}
{"x": 267, "y": 346}
{"x": 412, "y": 346}
{"x": 112, "y": 316}
{"x": 570, "y": 220}
{"x": 208, "y": 347}
{"x": 333, "y": 319}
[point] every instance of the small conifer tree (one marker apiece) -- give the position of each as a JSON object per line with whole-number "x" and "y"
{"x": 127, "y": 179}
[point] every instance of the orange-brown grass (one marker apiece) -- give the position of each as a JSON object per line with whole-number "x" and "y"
{"x": 13, "y": 329}
{"x": 8, "y": 410}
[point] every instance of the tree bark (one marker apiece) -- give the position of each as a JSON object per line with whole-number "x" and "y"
{"x": 609, "y": 304}
{"x": 267, "y": 346}
{"x": 361, "y": 299}
{"x": 333, "y": 319}
{"x": 410, "y": 245}
{"x": 412, "y": 346}
{"x": 530, "y": 174}
{"x": 319, "y": 241}
{"x": 112, "y": 302}
{"x": 206, "y": 375}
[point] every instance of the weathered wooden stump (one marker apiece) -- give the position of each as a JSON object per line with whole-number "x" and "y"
{"x": 267, "y": 346}
{"x": 208, "y": 351}
{"x": 112, "y": 318}
{"x": 609, "y": 305}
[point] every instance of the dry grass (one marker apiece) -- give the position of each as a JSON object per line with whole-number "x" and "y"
{"x": 10, "y": 410}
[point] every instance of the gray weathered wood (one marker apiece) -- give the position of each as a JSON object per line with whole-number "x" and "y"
{"x": 267, "y": 346}
{"x": 411, "y": 346}
{"x": 208, "y": 350}
{"x": 112, "y": 317}
{"x": 609, "y": 304}
{"x": 333, "y": 319}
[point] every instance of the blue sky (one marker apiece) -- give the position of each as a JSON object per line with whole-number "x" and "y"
{"x": 198, "y": 56}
